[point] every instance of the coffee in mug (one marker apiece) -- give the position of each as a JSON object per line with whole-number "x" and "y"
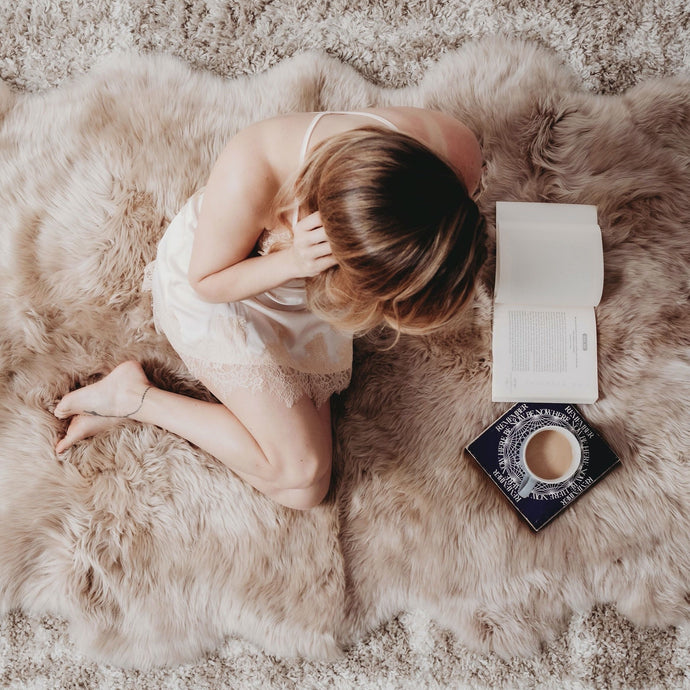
{"x": 548, "y": 455}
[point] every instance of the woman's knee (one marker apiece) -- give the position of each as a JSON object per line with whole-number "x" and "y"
{"x": 302, "y": 470}
{"x": 303, "y": 477}
{"x": 304, "y": 499}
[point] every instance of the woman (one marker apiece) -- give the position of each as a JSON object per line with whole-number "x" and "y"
{"x": 312, "y": 227}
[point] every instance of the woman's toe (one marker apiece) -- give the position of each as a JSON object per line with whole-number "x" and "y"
{"x": 62, "y": 409}
{"x": 81, "y": 427}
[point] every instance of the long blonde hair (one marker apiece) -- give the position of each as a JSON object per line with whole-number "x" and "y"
{"x": 407, "y": 237}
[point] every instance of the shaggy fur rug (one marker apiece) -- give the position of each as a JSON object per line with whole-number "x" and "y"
{"x": 155, "y": 552}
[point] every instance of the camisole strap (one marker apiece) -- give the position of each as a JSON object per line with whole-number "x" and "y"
{"x": 318, "y": 116}
{"x": 307, "y": 136}
{"x": 310, "y": 131}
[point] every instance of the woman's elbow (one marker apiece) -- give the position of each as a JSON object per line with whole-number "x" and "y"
{"x": 201, "y": 287}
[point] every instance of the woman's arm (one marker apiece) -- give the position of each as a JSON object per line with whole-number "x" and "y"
{"x": 235, "y": 210}
{"x": 244, "y": 279}
{"x": 308, "y": 255}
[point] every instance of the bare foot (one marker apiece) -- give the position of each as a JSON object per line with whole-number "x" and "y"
{"x": 84, "y": 426}
{"x": 102, "y": 404}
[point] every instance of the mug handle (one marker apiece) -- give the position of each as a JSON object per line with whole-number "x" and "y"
{"x": 526, "y": 485}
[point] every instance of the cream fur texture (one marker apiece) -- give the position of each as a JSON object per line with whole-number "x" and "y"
{"x": 155, "y": 552}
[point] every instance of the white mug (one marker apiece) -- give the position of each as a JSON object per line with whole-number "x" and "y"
{"x": 553, "y": 457}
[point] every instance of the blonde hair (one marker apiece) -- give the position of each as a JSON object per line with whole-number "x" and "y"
{"x": 407, "y": 237}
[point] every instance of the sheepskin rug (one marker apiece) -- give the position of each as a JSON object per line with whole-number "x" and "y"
{"x": 155, "y": 552}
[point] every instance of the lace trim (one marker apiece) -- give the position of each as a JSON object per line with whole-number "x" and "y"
{"x": 274, "y": 239}
{"x": 147, "y": 282}
{"x": 287, "y": 384}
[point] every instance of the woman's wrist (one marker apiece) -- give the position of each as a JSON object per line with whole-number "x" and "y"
{"x": 293, "y": 266}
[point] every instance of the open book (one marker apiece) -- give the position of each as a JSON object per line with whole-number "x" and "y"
{"x": 549, "y": 278}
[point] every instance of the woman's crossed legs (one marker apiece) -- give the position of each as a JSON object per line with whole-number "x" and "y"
{"x": 284, "y": 452}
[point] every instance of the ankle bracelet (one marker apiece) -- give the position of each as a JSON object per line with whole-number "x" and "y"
{"x": 141, "y": 402}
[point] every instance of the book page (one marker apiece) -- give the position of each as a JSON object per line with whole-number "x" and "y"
{"x": 544, "y": 354}
{"x": 526, "y": 212}
{"x": 551, "y": 263}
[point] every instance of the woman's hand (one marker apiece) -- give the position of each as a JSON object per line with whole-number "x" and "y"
{"x": 310, "y": 250}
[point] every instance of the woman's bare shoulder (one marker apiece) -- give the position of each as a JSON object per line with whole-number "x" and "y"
{"x": 276, "y": 140}
{"x": 255, "y": 162}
